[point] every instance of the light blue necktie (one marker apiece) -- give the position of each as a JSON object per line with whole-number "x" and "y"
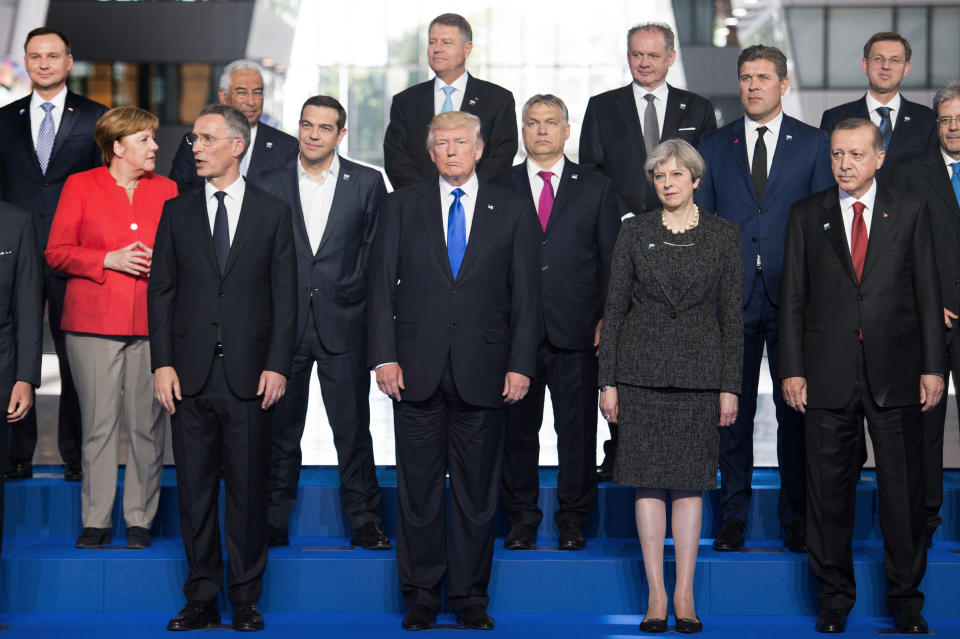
{"x": 456, "y": 233}
{"x": 955, "y": 180}
{"x": 45, "y": 137}
{"x": 447, "y": 102}
{"x": 886, "y": 128}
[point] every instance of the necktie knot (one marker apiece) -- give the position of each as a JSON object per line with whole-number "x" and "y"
{"x": 858, "y": 208}
{"x": 447, "y": 91}
{"x": 761, "y": 130}
{"x": 956, "y": 169}
{"x": 650, "y": 98}
{"x": 47, "y": 107}
{"x": 546, "y": 176}
{"x": 447, "y": 101}
{"x": 884, "y": 111}
{"x": 457, "y": 194}
{"x": 220, "y": 195}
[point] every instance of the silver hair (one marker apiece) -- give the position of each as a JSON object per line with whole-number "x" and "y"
{"x": 237, "y": 65}
{"x": 545, "y": 98}
{"x": 684, "y": 153}
{"x": 454, "y": 120}
{"x": 949, "y": 91}
{"x": 236, "y": 121}
{"x": 663, "y": 28}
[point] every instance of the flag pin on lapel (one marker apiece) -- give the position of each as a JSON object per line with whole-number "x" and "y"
{"x": 490, "y": 206}
{"x": 269, "y": 145}
{"x": 473, "y": 101}
{"x": 70, "y": 109}
{"x": 346, "y": 177}
{"x": 788, "y": 138}
{"x": 906, "y": 118}
{"x": 683, "y": 106}
{"x": 884, "y": 214}
{"x": 826, "y": 227}
{"x": 650, "y": 246}
{"x": 574, "y": 176}
{"x": 21, "y": 111}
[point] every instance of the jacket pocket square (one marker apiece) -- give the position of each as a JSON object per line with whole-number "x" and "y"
{"x": 687, "y": 128}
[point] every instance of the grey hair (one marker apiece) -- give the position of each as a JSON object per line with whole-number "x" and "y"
{"x": 949, "y": 91}
{"x": 237, "y": 65}
{"x": 682, "y": 151}
{"x": 548, "y": 99}
{"x": 236, "y": 121}
{"x": 454, "y": 120}
{"x": 663, "y": 28}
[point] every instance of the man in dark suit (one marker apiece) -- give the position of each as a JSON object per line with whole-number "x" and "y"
{"x": 335, "y": 204}
{"x": 452, "y": 331}
{"x": 453, "y": 89}
{"x": 47, "y": 136}
{"x": 862, "y": 338}
{"x": 579, "y": 221}
{"x": 757, "y": 167}
{"x": 935, "y": 177}
{"x": 620, "y": 127}
{"x": 908, "y": 128}
{"x": 241, "y": 86}
{"x": 222, "y": 308}
{"x": 21, "y": 317}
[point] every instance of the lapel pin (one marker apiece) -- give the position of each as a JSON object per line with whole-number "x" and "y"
{"x": 682, "y": 106}
{"x": 826, "y": 227}
{"x": 21, "y": 111}
{"x": 788, "y": 138}
{"x": 574, "y": 176}
{"x": 70, "y": 109}
{"x": 490, "y": 206}
{"x": 650, "y": 246}
{"x": 736, "y": 140}
{"x": 473, "y": 101}
{"x": 884, "y": 214}
{"x": 906, "y": 118}
{"x": 269, "y": 145}
{"x": 346, "y": 177}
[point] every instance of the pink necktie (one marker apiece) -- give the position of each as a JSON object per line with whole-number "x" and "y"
{"x": 546, "y": 198}
{"x": 858, "y": 239}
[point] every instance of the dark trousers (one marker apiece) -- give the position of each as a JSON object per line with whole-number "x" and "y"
{"x": 215, "y": 429}
{"x": 23, "y": 438}
{"x": 345, "y": 387}
{"x": 572, "y": 379}
{"x": 4, "y": 427}
{"x": 433, "y": 436}
{"x": 933, "y": 425}
{"x": 760, "y": 325}
{"x": 833, "y": 469}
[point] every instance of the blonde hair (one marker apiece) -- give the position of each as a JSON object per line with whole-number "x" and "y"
{"x": 454, "y": 120}
{"x": 117, "y": 123}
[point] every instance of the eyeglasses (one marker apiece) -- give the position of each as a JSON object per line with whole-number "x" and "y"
{"x": 894, "y": 61}
{"x": 946, "y": 121}
{"x": 205, "y": 140}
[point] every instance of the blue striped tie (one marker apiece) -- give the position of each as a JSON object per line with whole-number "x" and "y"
{"x": 456, "y": 233}
{"x": 886, "y": 127}
{"x": 45, "y": 137}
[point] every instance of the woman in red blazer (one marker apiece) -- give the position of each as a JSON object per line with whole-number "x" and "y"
{"x": 102, "y": 238}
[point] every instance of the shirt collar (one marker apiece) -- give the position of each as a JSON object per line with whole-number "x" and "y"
{"x": 234, "y": 191}
{"x": 873, "y": 103}
{"x": 773, "y": 126}
{"x": 469, "y": 189}
{"x": 847, "y": 200}
{"x": 333, "y": 169}
{"x": 948, "y": 160}
{"x": 460, "y": 84}
{"x": 556, "y": 169}
{"x": 58, "y": 100}
{"x": 660, "y": 93}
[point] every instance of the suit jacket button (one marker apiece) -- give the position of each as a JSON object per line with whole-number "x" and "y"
{"x": 214, "y": 324}
{"x": 545, "y": 267}
{"x": 760, "y": 211}
{"x": 673, "y": 315}
{"x": 544, "y": 243}
{"x": 859, "y": 298}
{"x": 753, "y": 239}
{"x": 956, "y": 282}
{"x": 313, "y": 262}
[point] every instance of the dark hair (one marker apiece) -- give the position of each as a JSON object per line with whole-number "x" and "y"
{"x": 236, "y": 121}
{"x": 330, "y": 103}
{"x": 454, "y": 20}
{"x": 548, "y": 99}
{"x": 664, "y": 29}
{"x": 763, "y": 52}
{"x": 40, "y": 31}
{"x": 885, "y": 36}
{"x": 851, "y": 124}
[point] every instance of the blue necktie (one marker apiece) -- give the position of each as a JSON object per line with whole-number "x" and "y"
{"x": 45, "y": 137}
{"x": 447, "y": 102}
{"x": 456, "y": 233}
{"x": 221, "y": 232}
{"x": 955, "y": 180}
{"x": 886, "y": 128}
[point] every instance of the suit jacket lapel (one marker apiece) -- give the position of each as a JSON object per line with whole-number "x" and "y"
{"x": 341, "y": 191}
{"x": 880, "y": 226}
{"x": 246, "y": 226}
{"x": 902, "y": 128}
{"x": 202, "y": 219}
{"x": 860, "y": 107}
{"x": 484, "y": 211}
{"x": 27, "y": 132}
{"x": 292, "y": 179}
{"x": 68, "y": 118}
{"x": 672, "y": 116}
{"x": 627, "y": 108}
{"x": 432, "y": 219}
{"x": 782, "y": 155}
{"x": 567, "y": 189}
{"x": 472, "y": 98}
{"x": 832, "y": 222}
{"x": 739, "y": 148}
{"x": 938, "y": 176}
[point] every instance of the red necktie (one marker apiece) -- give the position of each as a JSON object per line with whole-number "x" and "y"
{"x": 858, "y": 239}
{"x": 546, "y": 198}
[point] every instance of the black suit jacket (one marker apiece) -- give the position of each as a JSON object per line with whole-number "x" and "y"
{"x": 486, "y": 321}
{"x": 405, "y": 142}
{"x": 252, "y": 305}
{"x": 74, "y": 150}
{"x": 271, "y": 150}
{"x": 914, "y": 132}
{"x": 897, "y": 303}
{"x": 574, "y": 252}
{"x": 928, "y": 177}
{"x": 611, "y": 140}
{"x": 335, "y": 277}
{"x": 21, "y": 310}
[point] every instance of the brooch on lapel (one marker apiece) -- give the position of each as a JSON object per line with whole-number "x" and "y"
{"x": 788, "y": 137}
{"x": 683, "y": 106}
{"x": 269, "y": 145}
{"x": 736, "y": 140}
{"x": 650, "y": 246}
{"x": 826, "y": 227}
{"x": 473, "y": 101}
{"x": 574, "y": 176}
{"x": 490, "y": 206}
{"x": 346, "y": 177}
{"x": 884, "y": 215}
{"x": 906, "y": 118}
{"x": 21, "y": 111}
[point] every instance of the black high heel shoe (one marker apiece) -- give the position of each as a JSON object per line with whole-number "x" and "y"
{"x": 653, "y": 625}
{"x": 688, "y": 626}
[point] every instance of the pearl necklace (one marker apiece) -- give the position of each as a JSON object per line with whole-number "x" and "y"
{"x": 694, "y": 220}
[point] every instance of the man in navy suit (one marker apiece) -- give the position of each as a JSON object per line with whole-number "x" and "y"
{"x": 908, "y": 128}
{"x": 335, "y": 204}
{"x": 453, "y": 329}
{"x": 620, "y": 127}
{"x": 453, "y": 89}
{"x": 579, "y": 222}
{"x": 47, "y": 136}
{"x": 757, "y": 167}
{"x": 241, "y": 86}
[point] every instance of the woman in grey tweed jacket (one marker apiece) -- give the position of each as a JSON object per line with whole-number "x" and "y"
{"x": 671, "y": 353}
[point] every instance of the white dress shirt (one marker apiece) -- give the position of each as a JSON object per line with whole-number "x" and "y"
{"x": 948, "y": 161}
{"x": 245, "y": 161}
{"x": 846, "y": 208}
{"x": 468, "y": 200}
{"x": 536, "y": 183}
{"x": 659, "y": 104}
{"x": 769, "y": 138}
{"x": 36, "y": 112}
{"x": 894, "y": 104}
{"x": 456, "y": 98}
{"x": 316, "y": 197}
{"x": 233, "y": 201}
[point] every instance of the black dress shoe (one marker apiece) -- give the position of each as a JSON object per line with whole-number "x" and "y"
{"x": 138, "y": 537}
{"x": 831, "y": 621}
{"x": 475, "y": 618}
{"x": 277, "y": 537}
{"x": 246, "y": 617}
{"x": 653, "y": 625}
{"x": 419, "y": 617}
{"x": 93, "y": 537}
{"x": 688, "y": 626}
{"x": 196, "y": 616}
{"x": 18, "y": 470}
{"x": 571, "y": 537}
{"x": 730, "y": 537}
{"x": 73, "y": 471}
{"x": 796, "y": 539}
{"x": 370, "y": 537}
{"x": 521, "y": 537}
{"x": 909, "y": 621}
